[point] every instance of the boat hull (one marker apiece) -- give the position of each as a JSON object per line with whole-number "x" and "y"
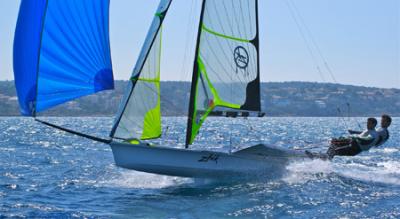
{"x": 257, "y": 160}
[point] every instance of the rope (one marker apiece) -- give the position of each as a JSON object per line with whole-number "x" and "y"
{"x": 94, "y": 138}
{"x": 341, "y": 117}
{"x": 349, "y": 109}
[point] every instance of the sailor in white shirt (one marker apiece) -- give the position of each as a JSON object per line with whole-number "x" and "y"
{"x": 367, "y": 138}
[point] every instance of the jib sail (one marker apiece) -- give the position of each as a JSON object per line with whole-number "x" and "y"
{"x": 139, "y": 116}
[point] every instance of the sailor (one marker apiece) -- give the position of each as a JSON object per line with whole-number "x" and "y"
{"x": 383, "y": 132}
{"x": 356, "y": 143}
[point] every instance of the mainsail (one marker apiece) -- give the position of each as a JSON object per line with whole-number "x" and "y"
{"x": 226, "y": 66}
{"x": 139, "y": 115}
{"x": 61, "y": 52}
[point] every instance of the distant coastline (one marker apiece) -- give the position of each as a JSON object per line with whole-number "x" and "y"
{"x": 278, "y": 99}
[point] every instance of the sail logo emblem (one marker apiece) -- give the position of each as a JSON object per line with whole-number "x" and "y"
{"x": 241, "y": 57}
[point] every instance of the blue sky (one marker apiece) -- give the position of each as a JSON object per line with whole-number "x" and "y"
{"x": 360, "y": 39}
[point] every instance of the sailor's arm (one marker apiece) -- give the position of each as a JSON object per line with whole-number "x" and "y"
{"x": 366, "y": 135}
{"x": 365, "y": 140}
{"x": 352, "y": 132}
{"x": 363, "y": 134}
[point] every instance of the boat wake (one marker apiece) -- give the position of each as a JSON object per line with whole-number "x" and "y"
{"x": 306, "y": 170}
{"x": 387, "y": 172}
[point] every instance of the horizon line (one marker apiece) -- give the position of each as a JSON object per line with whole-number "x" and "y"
{"x": 316, "y": 82}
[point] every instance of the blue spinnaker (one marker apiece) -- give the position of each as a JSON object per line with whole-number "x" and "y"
{"x": 61, "y": 52}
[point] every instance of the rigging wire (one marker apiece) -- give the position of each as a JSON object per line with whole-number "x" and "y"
{"x": 314, "y": 42}
{"x": 301, "y": 24}
{"x": 342, "y": 117}
{"x": 190, "y": 32}
{"x": 322, "y": 57}
{"x": 304, "y": 37}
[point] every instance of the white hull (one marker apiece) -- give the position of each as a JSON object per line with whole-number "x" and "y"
{"x": 256, "y": 160}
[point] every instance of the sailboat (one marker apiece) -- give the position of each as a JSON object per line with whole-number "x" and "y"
{"x": 66, "y": 61}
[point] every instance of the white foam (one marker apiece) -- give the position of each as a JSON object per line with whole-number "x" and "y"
{"x": 303, "y": 171}
{"x": 135, "y": 179}
{"x": 393, "y": 166}
{"x": 389, "y": 150}
{"x": 387, "y": 172}
{"x": 377, "y": 174}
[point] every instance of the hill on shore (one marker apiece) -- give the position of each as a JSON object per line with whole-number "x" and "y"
{"x": 277, "y": 99}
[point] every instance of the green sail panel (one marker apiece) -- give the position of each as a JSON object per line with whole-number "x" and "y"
{"x": 226, "y": 68}
{"x": 139, "y": 115}
{"x": 142, "y": 116}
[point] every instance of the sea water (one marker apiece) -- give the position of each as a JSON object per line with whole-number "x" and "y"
{"x": 46, "y": 173}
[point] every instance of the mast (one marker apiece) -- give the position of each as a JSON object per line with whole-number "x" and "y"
{"x": 194, "y": 80}
{"x": 256, "y": 43}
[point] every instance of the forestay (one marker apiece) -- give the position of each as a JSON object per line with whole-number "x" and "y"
{"x": 226, "y": 67}
{"x": 139, "y": 115}
{"x": 61, "y": 52}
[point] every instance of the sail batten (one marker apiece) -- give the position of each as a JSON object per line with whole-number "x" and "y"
{"x": 226, "y": 66}
{"x": 139, "y": 114}
{"x": 224, "y": 36}
{"x": 61, "y": 52}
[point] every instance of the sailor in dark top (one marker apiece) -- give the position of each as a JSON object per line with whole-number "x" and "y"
{"x": 383, "y": 131}
{"x": 356, "y": 143}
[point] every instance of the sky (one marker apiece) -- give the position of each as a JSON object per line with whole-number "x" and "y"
{"x": 359, "y": 40}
